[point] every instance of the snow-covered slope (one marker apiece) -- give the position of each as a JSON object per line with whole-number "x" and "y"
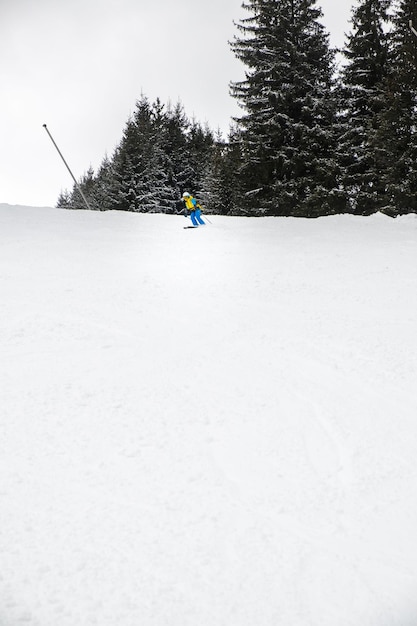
{"x": 207, "y": 428}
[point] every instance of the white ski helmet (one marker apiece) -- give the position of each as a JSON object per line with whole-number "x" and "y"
{"x": 185, "y": 194}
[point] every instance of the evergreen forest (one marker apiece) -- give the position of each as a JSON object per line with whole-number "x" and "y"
{"x": 322, "y": 131}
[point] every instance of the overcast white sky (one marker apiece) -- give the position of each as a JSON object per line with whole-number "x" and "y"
{"x": 80, "y": 65}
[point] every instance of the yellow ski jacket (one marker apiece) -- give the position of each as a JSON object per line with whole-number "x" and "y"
{"x": 191, "y": 203}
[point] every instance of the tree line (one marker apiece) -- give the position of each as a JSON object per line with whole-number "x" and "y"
{"x": 314, "y": 138}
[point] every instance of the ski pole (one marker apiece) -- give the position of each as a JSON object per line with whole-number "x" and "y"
{"x": 206, "y": 218}
{"x": 68, "y": 168}
{"x": 413, "y": 30}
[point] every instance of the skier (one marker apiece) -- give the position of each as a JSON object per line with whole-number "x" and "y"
{"x": 194, "y": 209}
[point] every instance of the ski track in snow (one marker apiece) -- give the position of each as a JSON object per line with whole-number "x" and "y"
{"x": 206, "y": 428}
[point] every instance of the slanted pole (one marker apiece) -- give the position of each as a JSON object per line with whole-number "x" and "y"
{"x": 413, "y": 30}
{"x": 68, "y": 168}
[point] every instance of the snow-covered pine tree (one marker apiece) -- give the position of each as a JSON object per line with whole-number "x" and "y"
{"x": 164, "y": 191}
{"x": 132, "y": 159}
{"x": 220, "y": 181}
{"x": 87, "y": 185}
{"x": 396, "y": 139}
{"x": 361, "y": 103}
{"x": 140, "y": 167}
{"x": 213, "y": 190}
{"x": 174, "y": 142}
{"x": 64, "y": 200}
{"x": 104, "y": 186}
{"x": 199, "y": 144}
{"x": 289, "y": 109}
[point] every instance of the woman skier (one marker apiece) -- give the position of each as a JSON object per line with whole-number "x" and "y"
{"x": 194, "y": 208}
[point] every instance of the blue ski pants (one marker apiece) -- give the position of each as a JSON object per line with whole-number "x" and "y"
{"x": 196, "y": 217}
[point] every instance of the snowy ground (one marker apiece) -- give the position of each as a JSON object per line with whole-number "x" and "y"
{"x": 212, "y": 428}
